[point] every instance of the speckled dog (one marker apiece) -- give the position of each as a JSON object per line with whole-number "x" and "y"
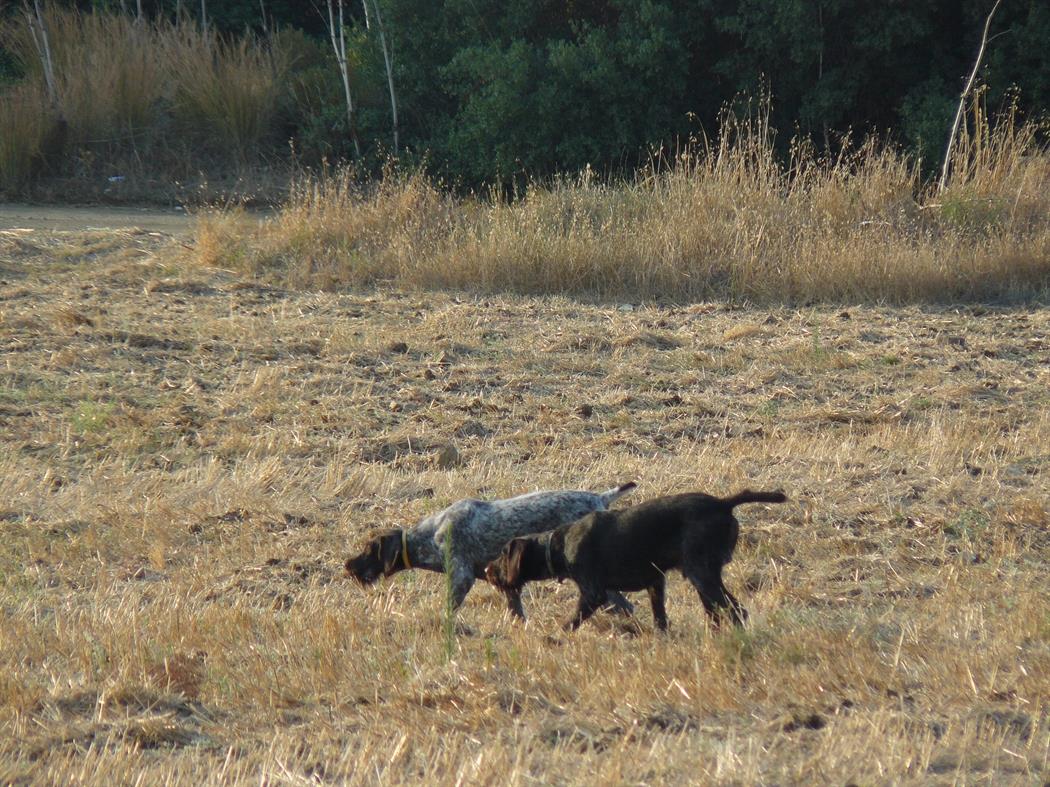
{"x": 478, "y": 529}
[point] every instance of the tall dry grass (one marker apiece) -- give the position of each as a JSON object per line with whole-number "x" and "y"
{"x": 227, "y": 92}
{"x": 24, "y": 125}
{"x": 727, "y": 220}
{"x": 136, "y": 94}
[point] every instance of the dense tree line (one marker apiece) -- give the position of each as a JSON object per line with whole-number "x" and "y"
{"x": 489, "y": 89}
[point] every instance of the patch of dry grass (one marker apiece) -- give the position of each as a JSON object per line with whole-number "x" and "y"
{"x": 730, "y": 221}
{"x": 24, "y": 126}
{"x": 187, "y": 456}
{"x": 150, "y": 101}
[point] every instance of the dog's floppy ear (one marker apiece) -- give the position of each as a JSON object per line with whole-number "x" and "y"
{"x": 514, "y": 554}
{"x": 390, "y": 551}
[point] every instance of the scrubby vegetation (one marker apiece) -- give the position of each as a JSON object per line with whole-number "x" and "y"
{"x": 143, "y": 111}
{"x": 487, "y": 93}
{"x": 146, "y": 105}
{"x": 728, "y": 220}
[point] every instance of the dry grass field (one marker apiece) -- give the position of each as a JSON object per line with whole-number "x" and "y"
{"x": 187, "y": 455}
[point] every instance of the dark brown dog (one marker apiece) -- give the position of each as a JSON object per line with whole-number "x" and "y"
{"x": 632, "y": 549}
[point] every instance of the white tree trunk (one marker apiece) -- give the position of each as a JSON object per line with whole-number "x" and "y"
{"x": 339, "y": 47}
{"x": 388, "y": 61}
{"x": 962, "y": 100}
{"x": 38, "y": 31}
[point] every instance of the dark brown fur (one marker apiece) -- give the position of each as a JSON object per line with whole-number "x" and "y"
{"x": 380, "y": 557}
{"x": 632, "y": 549}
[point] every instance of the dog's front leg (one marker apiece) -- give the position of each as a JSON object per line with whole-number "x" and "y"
{"x": 656, "y": 600}
{"x": 590, "y": 602}
{"x": 514, "y": 603}
{"x": 460, "y": 581}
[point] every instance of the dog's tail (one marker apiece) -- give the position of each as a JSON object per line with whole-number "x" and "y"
{"x": 747, "y": 496}
{"x": 616, "y": 493}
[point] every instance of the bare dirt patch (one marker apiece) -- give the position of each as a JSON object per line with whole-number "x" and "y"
{"x": 186, "y": 457}
{"x": 64, "y": 218}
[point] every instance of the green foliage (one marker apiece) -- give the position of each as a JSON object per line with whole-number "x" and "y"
{"x": 970, "y": 525}
{"x": 554, "y": 89}
{"x": 926, "y": 113}
{"x": 9, "y": 68}
{"x": 495, "y": 92}
{"x": 975, "y": 213}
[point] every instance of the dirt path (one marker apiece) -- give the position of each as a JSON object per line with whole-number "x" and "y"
{"x": 69, "y": 219}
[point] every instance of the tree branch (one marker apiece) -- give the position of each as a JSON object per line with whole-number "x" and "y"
{"x": 962, "y": 99}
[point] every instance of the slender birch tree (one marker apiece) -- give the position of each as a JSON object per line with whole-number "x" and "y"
{"x": 387, "y": 60}
{"x": 337, "y": 33}
{"x": 38, "y": 32}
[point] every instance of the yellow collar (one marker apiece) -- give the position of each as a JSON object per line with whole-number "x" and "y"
{"x": 404, "y": 548}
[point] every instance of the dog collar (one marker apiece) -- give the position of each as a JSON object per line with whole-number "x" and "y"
{"x": 404, "y": 549}
{"x": 550, "y": 565}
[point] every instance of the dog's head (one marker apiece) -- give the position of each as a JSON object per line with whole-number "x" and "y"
{"x": 505, "y": 572}
{"x": 382, "y": 556}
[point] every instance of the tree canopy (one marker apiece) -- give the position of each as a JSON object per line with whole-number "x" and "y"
{"x": 490, "y": 90}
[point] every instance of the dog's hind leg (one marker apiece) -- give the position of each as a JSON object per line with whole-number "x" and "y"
{"x": 707, "y": 579}
{"x": 736, "y": 609}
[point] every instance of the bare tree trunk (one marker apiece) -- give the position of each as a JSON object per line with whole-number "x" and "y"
{"x": 339, "y": 47}
{"x": 387, "y": 59}
{"x": 138, "y": 4}
{"x": 820, "y": 72}
{"x": 962, "y": 100}
{"x": 204, "y": 17}
{"x": 54, "y": 142}
{"x": 262, "y": 10}
{"x": 38, "y": 32}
